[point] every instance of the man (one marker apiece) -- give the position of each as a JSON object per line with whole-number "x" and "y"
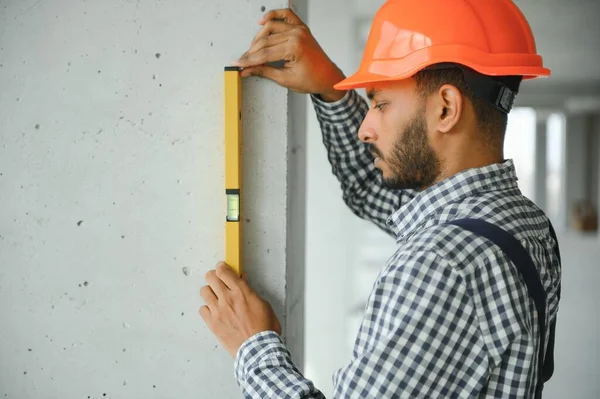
{"x": 450, "y": 315}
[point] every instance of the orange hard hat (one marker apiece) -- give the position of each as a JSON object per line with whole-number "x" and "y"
{"x": 490, "y": 37}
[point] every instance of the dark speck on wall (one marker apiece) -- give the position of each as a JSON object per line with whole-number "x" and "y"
{"x": 86, "y": 283}
{"x": 157, "y": 55}
{"x": 37, "y": 126}
{"x": 153, "y": 386}
{"x": 29, "y": 349}
{"x": 80, "y": 223}
{"x": 263, "y": 8}
{"x": 122, "y": 237}
{"x": 99, "y": 71}
{"x": 211, "y": 44}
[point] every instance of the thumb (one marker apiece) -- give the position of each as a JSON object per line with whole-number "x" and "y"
{"x": 275, "y": 74}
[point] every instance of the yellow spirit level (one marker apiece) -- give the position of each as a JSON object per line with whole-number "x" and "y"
{"x": 233, "y": 168}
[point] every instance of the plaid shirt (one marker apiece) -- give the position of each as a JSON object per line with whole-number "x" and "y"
{"x": 449, "y": 315}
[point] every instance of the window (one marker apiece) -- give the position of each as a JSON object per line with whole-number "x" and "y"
{"x": 555, "y": 161}
{"x": 519, "y": 145}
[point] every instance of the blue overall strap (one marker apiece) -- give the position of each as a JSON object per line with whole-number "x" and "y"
{"x": 549, "y": 363}
{"x": 522, "y": 261}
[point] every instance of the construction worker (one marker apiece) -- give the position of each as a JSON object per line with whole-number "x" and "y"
{"x": 465, "y": 308}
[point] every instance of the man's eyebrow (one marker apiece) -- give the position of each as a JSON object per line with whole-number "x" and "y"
{"x": 372, "y": 93}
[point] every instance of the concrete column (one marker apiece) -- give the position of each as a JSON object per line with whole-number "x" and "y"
{"x": 576, "y": 162}
{"x": 329, "y": 233}
{"x": 112, "y": 194}
{"x": 297, "y": 201}
{"x": 595, "y": 162}
{"x": 540, "y": 167}
{"x": 593, "y": 157}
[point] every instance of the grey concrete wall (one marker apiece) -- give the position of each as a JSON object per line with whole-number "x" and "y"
{"x": 596, "y": 130}
{"x": 575, "y": 162}
{"x": 329, "y": 223}
{"x": 111, "y": 185}
{"x": 594, "y": 161}
{"x": 540, "y": 168}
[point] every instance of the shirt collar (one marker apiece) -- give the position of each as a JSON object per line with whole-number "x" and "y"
{"x": 453, "y": 189}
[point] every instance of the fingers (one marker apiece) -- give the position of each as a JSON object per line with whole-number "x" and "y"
{"x": 285, "y": 14}
{"x": 232, "y": 280}
{"x": 208, "y": 295}
{"x": 269, "y": 54}
{"x": 268, "y": 41}
{"x": 277, "y": 75}
{"x": 228, "y": 276}
{"x": 206, "y": 314}
{"x": 272, "y": 28}
{"x": 217, "y": 286}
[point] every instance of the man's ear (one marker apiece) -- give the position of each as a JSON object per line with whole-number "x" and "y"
{"x": 449, "y": 108}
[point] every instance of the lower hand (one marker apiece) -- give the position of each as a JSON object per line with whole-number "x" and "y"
{"x": 233, "y": 311}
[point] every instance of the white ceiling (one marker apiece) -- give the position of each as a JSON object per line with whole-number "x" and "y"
{"x": 567, "y": 35}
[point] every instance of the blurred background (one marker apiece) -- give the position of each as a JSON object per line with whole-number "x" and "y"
{"x": 554, "y": 138}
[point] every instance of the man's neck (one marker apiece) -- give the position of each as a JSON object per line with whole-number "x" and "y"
{"x": 455, "y": 165}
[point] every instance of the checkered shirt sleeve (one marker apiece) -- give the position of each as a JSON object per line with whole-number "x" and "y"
{"x": 352, "y": 163}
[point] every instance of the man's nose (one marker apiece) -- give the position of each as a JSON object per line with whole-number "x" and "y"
{"x": 367, "y": 132}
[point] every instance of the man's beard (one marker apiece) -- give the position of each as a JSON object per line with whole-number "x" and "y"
{"x": 413, "y": 163}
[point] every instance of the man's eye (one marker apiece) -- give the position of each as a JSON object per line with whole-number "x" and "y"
{"x": 381, "y": 106}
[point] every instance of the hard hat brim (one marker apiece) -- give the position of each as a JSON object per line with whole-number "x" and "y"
{"x": 529, "y": 66}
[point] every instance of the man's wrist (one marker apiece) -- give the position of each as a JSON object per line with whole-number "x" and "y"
{"x": 332, "y": 96}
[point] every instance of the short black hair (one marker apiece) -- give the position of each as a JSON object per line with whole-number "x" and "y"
{"x": 491, "y": 121}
